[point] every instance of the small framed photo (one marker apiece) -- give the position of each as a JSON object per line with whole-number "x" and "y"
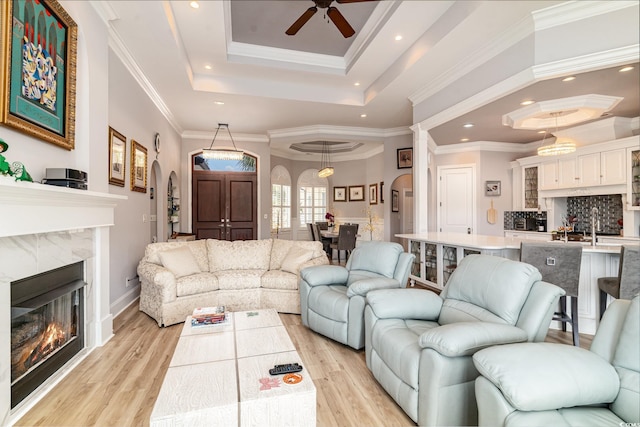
{"x": 381, "y": 191}
{"x": 395, "y": 202}
{"x": 138, "y": 167}
{"x": 356, "y": 193}
{"x": 492, "y": 188}
{"x": 405, "y": 158}
{"x": 373, "y": 194}
{"x": 117, "y": 156}
{"x": 339, "y": 194}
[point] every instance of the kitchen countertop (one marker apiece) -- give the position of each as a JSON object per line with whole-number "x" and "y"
{"x": 480, "y": 242}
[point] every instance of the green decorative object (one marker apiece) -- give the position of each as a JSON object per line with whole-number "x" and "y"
{"x": 5, "y": 167}
{"x": 20, "y": 172}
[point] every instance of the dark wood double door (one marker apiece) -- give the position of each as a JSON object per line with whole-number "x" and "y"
{"x": 224, "y": 205}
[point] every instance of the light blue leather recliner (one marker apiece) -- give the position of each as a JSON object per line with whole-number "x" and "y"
{"x": 332, "y": 296}
{"x": 419, "y": 344}
{"x": 546, "y": 384}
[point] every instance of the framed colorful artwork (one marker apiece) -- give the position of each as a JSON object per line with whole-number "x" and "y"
{"x": 39, "y": 48}
{"x": 339, "y": 194}
{"x": 356, "y": 193}
{"x": 138, "y": 167}
{"x": 117, "y": 157}
{"x": 373, "y": 194}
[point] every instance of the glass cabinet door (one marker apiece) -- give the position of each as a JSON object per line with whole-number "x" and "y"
{"x": 635, "y": 179}
{"x": 415, "y": 249}
{"x": 531, "y": 187}
{"x": 431, "y": 263}
{"x": 449, "y": 262}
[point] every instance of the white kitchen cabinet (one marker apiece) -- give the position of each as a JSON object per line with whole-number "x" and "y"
{"x": 568, "y": 173}
{"x": 530, "y": 188}
{"x": 612, "y": 167}
{"x": 589, "y": 170}
{"x": 584, "y": 170}
{"x": 548, "y": 176}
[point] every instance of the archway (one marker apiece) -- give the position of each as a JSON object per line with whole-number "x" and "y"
{"x": 401, "y": 216}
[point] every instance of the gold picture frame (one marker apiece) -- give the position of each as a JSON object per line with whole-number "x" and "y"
{"x": 356, "y": 193}
{"x": 117, "y": 157}
{"x": 38, "y": 89}
{"x": 138, "y": 167}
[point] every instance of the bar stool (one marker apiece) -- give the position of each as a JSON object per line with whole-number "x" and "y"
{"x": 558, "y": 264}
{"x": 627, "y": 284}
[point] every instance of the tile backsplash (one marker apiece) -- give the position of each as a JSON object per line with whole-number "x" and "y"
{"x": 609, "y": 211}
{"x": 509, "y": 216}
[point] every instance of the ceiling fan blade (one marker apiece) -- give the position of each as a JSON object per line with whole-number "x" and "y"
{"x": 301, "y": 21}
{"x": 342, "y": 24}
{"x": 351, "y": 1}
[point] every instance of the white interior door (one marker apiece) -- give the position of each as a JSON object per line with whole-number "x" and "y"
{"x": 407, "y": 211}
{"x": 456, "y": 199}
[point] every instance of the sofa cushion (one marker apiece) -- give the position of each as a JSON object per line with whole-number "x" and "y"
{"x": 280, "y": 248}
{"x": 196, "y": 284}
{"x": 499, "y": 286}
{"x": 277, "y": 279}
{"x": 239, "y": 279}
{"x": 180, "y": 261}
{"x": 239, "y": 255}
{"x": 198, "y": 248}
{"x": 295, "y": 258}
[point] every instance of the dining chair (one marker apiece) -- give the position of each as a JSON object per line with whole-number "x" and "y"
{"x": 317, "y": 236}
{"x": 311, "y": 231}
{"x": 626, "y": 284}
{"x": 559, "y": 264}
{"x": 346, "y": 240}
{"x": 323, "y": 225}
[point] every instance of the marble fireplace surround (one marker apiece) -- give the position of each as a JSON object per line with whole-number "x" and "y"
{"x": 44, "y": 227}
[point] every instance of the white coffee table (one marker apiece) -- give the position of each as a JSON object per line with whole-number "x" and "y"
{"x": 219, "y": 375}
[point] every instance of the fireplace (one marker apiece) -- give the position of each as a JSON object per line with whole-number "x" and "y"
{"x": 47, "y": 326}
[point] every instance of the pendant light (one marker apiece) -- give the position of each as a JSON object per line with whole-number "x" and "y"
{"x": 222, "y": 153}
{"x": 325, "y": 168}
{"x": 560, "y": 146}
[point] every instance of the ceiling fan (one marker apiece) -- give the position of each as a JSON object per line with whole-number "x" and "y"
{"x": 333, "y": 14}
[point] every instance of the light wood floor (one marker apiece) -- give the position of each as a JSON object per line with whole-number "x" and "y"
{"x": 117, "y": 384}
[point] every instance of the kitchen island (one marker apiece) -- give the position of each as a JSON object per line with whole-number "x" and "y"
{"x": 438, "y": 254}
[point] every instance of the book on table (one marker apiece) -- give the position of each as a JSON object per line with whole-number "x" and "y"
{"x": 203, "y": 316}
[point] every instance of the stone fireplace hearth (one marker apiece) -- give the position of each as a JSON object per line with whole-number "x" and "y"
{"x": 43, "y": 228}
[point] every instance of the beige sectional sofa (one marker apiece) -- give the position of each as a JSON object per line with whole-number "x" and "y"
{"x": 177, "y": 277}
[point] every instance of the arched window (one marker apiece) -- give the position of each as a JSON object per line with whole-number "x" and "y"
{"x": 280, "y": 198}
{"x": 312, "y": 198}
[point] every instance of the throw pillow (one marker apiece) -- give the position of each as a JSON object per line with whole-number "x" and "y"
{"x": 180, "y": 262}
{"x": 295, "y": 258}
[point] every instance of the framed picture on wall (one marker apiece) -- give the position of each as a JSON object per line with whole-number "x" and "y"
{"x": 356, "y": 193}
{"x": 373, "y": 194}
{"x": 492, "y": 188}
{"x": 395, "y": 202}
{"x": 405, "y": 158}
{"x": 138, "y": 167}
{"x": 381, "y": 195}
{"x": 339, "y": 194}
{"x": 117, "y": 156}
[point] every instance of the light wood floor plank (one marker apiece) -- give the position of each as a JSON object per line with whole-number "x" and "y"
{"x": 117, "y": 384}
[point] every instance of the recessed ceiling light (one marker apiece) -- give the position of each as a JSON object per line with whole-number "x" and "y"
{"x": 568, "y": 79}
{"x": 528, "y": 102}
{"x": 625, "y": 69}
{"x": 207, "y": 67}
{"x": 356, "y": 84}
{"x": 398, "y": 37}
{"x": 218, "y": 102}
{"x": 467, "y": 125}
{"x": 464, "y": 140}
{"x": 363, "y": 115}
{"x": 194, "y": 4}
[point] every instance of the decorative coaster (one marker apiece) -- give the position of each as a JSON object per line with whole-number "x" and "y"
{"x": 269, "y": 383}
{"x": 292, "y": 378}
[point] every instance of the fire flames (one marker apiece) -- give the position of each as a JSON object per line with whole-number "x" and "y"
{"x": 52, "y": 339}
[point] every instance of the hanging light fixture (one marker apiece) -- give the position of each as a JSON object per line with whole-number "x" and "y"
{"x": 325, "y": 168}
{"x": 222, "y": 153}
{"x": 560, "y": 146}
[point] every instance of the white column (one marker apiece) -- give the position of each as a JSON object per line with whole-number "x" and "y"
{"x": 420, "y": 179}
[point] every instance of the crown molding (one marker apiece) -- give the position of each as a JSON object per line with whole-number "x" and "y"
{"x": 565, "y": 13}
{"x": 337, "y": 132}
{"x": 118, "y": 47}
{"x": 589, "y": 62}
{"x": 238, "y": 137}
{"x": 503, "y": 147}
{"x": 104, "y": 10}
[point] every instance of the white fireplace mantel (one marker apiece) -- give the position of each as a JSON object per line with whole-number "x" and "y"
{"x": 43, "y": 227}
{"x": 31, "y": 208}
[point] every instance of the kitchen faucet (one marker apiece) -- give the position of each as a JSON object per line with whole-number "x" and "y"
{"x": 594, "y": 220}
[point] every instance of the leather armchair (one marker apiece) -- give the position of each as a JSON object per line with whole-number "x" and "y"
{"x": 560, "y": 385}
{"x": 419, "y": 344}
{"x": 332, "y": 297}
